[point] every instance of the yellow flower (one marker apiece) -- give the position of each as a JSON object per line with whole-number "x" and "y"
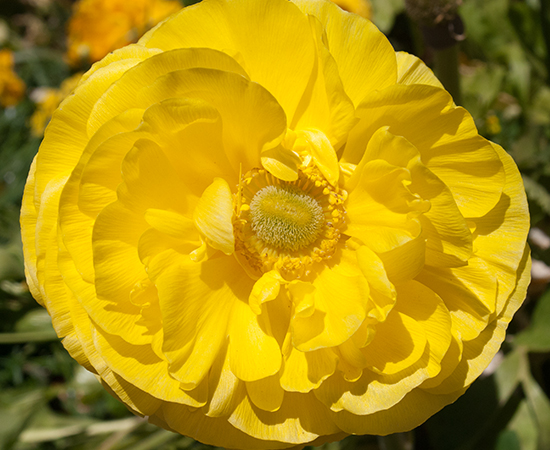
{"x": 98, "y": 27}
{"x": 361, "y": 7}
{"x": 47, "y": 100}
{"x": 493, "y": 124}
{"x": 261, "y": 227}
{"x": 12, "y": 88}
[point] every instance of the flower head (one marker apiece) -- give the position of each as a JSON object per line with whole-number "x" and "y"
{"x": 98, "y": 27}
{"x": 261, "y": 227}
{"x": 12, "y": 88}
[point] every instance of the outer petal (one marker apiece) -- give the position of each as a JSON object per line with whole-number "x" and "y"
{"x": 121, "y": 96}
{"x": 500, "y": 235}
{"x": 228, "y": 26}
{"x": 412, "y": 70}
{"x": 300, "y": 419}
{"x": 445, "y": 136}
{"x": 375, "y": 69}
{"x": 411, "y": 411}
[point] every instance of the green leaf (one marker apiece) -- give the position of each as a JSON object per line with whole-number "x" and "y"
{"x": 538, "y": 193}
{"x": 35, "y": 320}
{"x": 525, "y": 427}
{"x": 526, "y": 23}
{"x": 508, "y": 440}
{"x": 539, "y": 406}
{"x": 537, "y": 336}
{"x": 507, "y": 376}
{"x": 17, "y": 409}
{"x": 155, "y": 440}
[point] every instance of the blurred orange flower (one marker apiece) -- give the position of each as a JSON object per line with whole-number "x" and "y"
{"x": 360, "y": 7}
{"x": 98, "y": 27}
{"x": 12, "y": 87}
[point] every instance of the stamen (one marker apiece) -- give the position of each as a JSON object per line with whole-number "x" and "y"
{"x": 289, "y": 226}
{"x": 285, "y": 218}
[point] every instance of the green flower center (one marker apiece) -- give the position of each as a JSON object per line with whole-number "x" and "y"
{"x": 285, "y": 217}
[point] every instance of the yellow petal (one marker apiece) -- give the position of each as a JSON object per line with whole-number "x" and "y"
{"x": 399, "y": 342}
{"x": 300, "y": 419}
{"x": 376, "y": 69}
{"x": 134, "y": 52}
{"x": 480, "y": 351}
{"x": 154, "y": 248}
{"x": 427, "y": 309}
{"x": 340, "y": 308}
{"x": 179, "y": 418}
{"x": 225, "y": 389}
{"x": 267, "y": 393}
{"x": 379, "y": 207}
{"x": 228, "y": 26}
{"x": 196, "y": 301}
{"x": 139, "y": 365}
{"x": 324, "y": 105}
{"x": 499, "y": 236}
{"x": 117, "y": 266}
{"x": 66, "y": 137}
{"x": 469, "y": 293}
{"x": 382, "y": 292}
{"x": 371, "y": 392}
{"x": 405, "y": 415}
{"x": 265, "y": 289}
{"x": 190, "y": 133}
{"x": 448, "y": 237}
{"x": 120, "y": 318}
{"x": 281, "y": 162}
{"x": 169, "y": 222}
{"x": 213, "y": 216}
{"x": 412, "y": 70}
{"x": 28, "y": 231}
{"x": 305, "y": 371}
{"x": 79, "y": 206}
{"x": 122, "y": 95}
{"x": 317, "y": 145}
{"x": 253, "y": 351}
{"x": 101, "y": 174}
{"x": 252, "y": 119}
{"x": 444, "y": 135}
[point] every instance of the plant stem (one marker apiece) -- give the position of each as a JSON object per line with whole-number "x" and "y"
{"x": 446, "y": 69}
{"x": 545, "y": 26}
{"x": 31, "y": 336}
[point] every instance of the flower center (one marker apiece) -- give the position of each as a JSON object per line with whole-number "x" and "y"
{"x": 285, "y": 217}
{"x": 288, "y": 226}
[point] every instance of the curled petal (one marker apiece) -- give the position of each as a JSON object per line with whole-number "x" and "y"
{"x": 213, "y": 216}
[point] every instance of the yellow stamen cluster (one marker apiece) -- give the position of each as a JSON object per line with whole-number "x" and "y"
{"x": 288, "y": 226}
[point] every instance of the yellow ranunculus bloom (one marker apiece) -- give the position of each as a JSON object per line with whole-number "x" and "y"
{"x": 12, "y": 88}
{"x": 98, "y": 27}
{"x": 261, "y": 227}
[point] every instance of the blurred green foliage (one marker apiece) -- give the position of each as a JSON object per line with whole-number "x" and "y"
{"x": 49, "y": 402}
